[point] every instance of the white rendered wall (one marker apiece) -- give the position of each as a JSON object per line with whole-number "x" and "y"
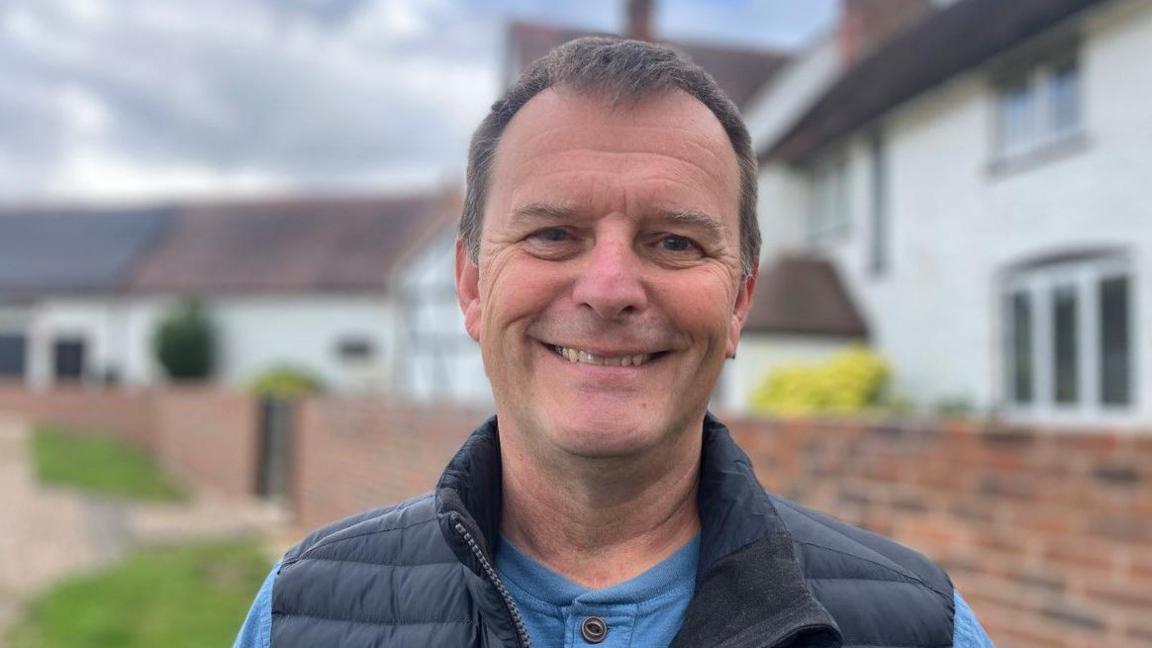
{"x": 262, "y": 332}
{"x": 87, "y": 319}
{"x": 438, "y": 360}
{"x": 254, "y": 333}
{"x": 774, "y": 109}
{"x": 956, "y": 221}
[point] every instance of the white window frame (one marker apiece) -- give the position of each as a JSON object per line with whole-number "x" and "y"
{"x": 1037, "y": 81}
{"x": 1039, "y": 283}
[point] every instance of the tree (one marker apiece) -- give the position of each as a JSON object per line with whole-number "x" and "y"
{"x": 185, "y": 342}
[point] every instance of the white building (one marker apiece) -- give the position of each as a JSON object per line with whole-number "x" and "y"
{"x": 979, "y": 183}
{"x": 303, "y": 283}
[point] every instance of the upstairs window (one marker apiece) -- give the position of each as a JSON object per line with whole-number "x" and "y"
{"x": 1069, "y": 347}
{"x": 829, "y": 201}
{"x": 1038, "y": 107}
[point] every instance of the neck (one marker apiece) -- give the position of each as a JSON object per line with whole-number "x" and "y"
{"x": 600, "y": 521}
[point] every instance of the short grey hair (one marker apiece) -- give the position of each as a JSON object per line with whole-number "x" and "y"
{"x": 622, "y": 70}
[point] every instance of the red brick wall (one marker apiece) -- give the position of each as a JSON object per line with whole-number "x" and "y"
{"x": 209, "y": 439}
{"x": 352, "y": 455}
{"x": 125, "y": 413}
{"x": 1048, "y": 534}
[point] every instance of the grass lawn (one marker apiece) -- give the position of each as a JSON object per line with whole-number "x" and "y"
{"x": 186, "y": 597}
{"x": 98, "y": 464}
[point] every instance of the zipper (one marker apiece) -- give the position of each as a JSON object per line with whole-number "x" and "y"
{"x": 486, "y": 565}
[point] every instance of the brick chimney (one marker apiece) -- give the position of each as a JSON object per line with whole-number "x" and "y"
{"x": 864, "y": 24}
{"x": 639, "y": 25}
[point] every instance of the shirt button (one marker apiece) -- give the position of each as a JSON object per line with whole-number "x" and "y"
{"x": 593, "y": 629}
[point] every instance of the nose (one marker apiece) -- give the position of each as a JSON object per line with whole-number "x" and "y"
{"x": 611, "y": 283}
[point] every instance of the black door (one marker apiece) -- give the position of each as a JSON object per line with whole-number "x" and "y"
{"x": 68, "y": 358}
{"x": 277, "y": 428}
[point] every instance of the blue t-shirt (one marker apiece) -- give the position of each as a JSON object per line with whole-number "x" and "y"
{"x": 541, "y": 596}
{"x": 644, "y": 611}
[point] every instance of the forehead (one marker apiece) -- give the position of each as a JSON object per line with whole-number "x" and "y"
{"x": 583, "y": 146}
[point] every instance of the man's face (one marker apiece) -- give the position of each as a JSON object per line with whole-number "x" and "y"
{"x": 609, "y": 289}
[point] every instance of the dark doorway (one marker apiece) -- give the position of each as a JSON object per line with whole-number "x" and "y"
{"x": 277, "y": 424}
{"x": 68, "y": 358}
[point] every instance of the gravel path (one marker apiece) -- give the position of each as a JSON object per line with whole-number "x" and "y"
{"x": 49, "y": 533}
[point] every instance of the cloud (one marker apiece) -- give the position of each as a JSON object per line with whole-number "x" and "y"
{"x": 172, "y": 97}
{"x": 137, "y": 98}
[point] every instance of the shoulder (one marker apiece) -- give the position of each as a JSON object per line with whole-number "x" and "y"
{"x": 404, "y": 533}
{"x": 878, "y": 591}
{"x": 830, "y": 549}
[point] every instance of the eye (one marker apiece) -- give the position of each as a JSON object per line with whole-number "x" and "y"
{"x": 551, "y": 235}
{"x": 552, "y": 243}
{"x": 675, "y": 249}
{"x": 673, "y": 243}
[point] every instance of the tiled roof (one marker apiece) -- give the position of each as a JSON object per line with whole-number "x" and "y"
{"x": 69, "y": 251}
{"x": 297, "y": 245}
{"x": 291, "y": 245}
{"x": 945, "y": 44}
{"x": 740, "y": 72}
{"x": 804, "y": 296}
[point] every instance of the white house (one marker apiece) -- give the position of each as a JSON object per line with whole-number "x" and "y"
{"x": 292, "y": 282}
{"x": 979, "y": 182}
{"x": 440, "y": 361}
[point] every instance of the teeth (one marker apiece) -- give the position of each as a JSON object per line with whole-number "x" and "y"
{"x": 576, "y": 355}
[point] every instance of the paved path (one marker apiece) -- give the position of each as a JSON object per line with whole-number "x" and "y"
{"x": 50, "y": 533}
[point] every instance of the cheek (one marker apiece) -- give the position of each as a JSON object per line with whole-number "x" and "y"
{"x": 704, "y": 306}
{"x": 517, "y": 293}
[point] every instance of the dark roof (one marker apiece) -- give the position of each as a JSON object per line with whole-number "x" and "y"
{"x": 804, "y": 296}
{"x": 740, "y": 71}
{"x": 46, "y": 251}
{"x": 945, "y": 44}
{"x": 292, "y": 245}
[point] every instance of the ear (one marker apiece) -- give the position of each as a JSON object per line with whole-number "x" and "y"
{"x": 741, "y": 309}
{"x": 468, "y": 290}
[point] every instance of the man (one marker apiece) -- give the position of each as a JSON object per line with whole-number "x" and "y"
{"x": 606, "y": 262}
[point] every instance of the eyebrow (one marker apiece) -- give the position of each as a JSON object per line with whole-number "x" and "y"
{"x": 542, "y": 211}
{"x": 695, "y": 219}
{"x": 685, "y": 217}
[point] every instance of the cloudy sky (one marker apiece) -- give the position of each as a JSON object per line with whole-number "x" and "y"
{"x": 115, "y": 100}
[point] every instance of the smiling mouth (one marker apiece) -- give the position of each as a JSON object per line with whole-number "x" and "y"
{"x": 579, "y": 356}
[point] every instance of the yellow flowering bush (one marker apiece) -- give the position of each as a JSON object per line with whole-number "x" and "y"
{"x": 851, "y": 381}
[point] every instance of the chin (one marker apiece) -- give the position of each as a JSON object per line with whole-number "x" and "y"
{"x": 607, "y": 436}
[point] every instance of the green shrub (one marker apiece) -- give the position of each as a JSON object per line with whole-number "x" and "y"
{"x": 286, "y": 381}
{"x": 851, "y": 381}
{"x": 185, "y": 342}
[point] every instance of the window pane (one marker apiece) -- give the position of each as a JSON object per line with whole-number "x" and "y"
{"x": 829, "y": 218}
{"x": 1020, "y": 351}
{"x": 1115, "y": 342}
{"x": 1064, "y": 99}
{"x": 12, "y": 356}
{"x": 1064, "y": 337}
{"x": 1015, "y": 117}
